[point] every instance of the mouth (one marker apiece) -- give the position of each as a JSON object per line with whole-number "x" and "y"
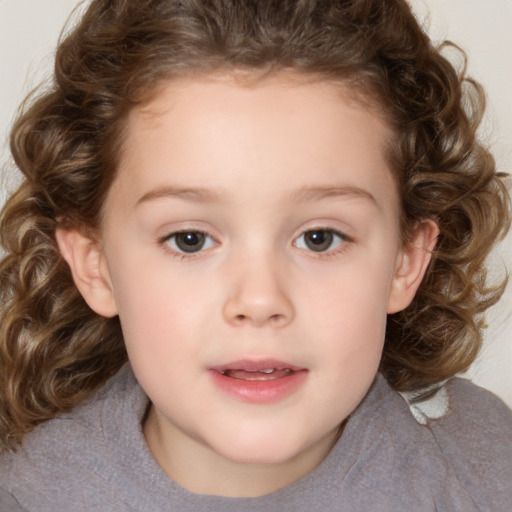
{"x": 268, "y": 369}
{"x": 259, "y": 381}
{"x": 265, "y": 374}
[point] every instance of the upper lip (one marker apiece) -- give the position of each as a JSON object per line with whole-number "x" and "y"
{"x": 255, "y": 365}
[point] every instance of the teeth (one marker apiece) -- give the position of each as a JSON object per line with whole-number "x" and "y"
{"x": 266, "y": 370}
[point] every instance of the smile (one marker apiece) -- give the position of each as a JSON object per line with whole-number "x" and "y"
{"x": 258, "y": 381}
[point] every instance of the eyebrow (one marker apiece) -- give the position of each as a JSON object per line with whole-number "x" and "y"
{"x": 196, "y": 194}
{"x": 309, "y": 194}
{"x": 303, "y": 194}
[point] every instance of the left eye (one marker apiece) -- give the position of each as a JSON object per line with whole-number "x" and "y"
{"x": 319, "y": 240}
{"x": 189, "y": 241}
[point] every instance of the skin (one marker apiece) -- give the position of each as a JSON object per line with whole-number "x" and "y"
{"x": 255, "y": 168}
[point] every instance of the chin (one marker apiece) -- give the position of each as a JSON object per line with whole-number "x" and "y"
{"x": 263, "y": 449}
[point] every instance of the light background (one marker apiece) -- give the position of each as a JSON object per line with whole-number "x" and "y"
{"x": 29, "y": 30}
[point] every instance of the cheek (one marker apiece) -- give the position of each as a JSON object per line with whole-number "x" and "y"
{"x": 347, "y": 293}
{"x": 349, "y": 314}
{"x": 148, "y": 289}
{"x": 160, "y": 312}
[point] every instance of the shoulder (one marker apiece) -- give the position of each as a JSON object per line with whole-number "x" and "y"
{"x": 472, "y": 429}
{"x": 69, "y": 451}
{"x": 445, "y": 450}
{"x": 476, "y": 408}
{"x": 476, "y": 433}
{"x": 473, "y": 419}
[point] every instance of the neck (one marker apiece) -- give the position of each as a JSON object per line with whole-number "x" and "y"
{"x": 200, "y": 470}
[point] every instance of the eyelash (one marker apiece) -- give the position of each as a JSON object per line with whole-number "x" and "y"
{"x": 166, "y": 240}
{"x": 181, "y": 254}
{"x": 329, "y": 253}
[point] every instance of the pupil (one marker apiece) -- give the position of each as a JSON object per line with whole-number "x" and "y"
{"x": 190, "y": 242}
{"x": 318, "y": 240}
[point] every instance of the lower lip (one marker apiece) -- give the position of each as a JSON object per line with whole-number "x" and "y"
{"x": 260, "y": 391}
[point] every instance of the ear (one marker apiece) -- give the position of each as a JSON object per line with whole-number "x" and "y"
{"x": 412, "y": 263}
{"x": 88, "y": 268}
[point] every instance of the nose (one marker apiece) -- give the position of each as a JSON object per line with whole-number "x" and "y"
{"x": 257, "y": 296}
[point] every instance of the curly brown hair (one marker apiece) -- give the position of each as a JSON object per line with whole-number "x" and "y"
{"x": 54, "y": 351}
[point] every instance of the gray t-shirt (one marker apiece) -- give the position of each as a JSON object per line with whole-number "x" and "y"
{"x": 95, "y": 458}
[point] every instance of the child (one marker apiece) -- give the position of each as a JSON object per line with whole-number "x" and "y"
{"x": 279, "y": 214}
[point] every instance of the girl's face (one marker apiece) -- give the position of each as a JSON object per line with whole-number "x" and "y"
{"x": 250, "y": 246}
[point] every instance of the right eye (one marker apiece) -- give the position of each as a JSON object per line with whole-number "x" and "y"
{"x": 189, "y": 242}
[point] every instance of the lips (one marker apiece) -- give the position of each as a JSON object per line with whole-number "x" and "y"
{"x": 267, "y": 374}
{"x": 260, "y": 381}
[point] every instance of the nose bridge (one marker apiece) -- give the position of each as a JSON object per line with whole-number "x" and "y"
{"x": 258, "y": 293}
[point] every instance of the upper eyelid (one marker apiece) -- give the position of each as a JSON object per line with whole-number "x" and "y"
{"x": 163, "y": 241}
{"x": 179, "y": 231}
{"x": 314, "y": 227}
{"x": 321, "y": 227}
{"x": 173, "y": 232}
{"x": 343, "y": 245}
{"x": 344, "y": 239}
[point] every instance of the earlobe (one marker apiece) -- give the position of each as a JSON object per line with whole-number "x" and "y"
{"x": 85, "y": 259}
{"x": 412, "y": 263}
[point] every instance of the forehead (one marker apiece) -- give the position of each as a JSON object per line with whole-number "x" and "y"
{"x": 305, "y": 91}
{"x": 225, "y": 131}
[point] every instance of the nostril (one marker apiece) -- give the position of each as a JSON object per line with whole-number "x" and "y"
{"x": 277, "y": 320}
